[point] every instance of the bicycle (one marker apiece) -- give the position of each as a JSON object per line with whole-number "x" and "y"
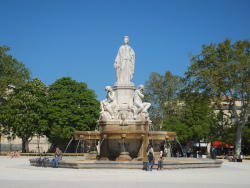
{"x": 46, "y": 162}
{"x": 39, "y": 161}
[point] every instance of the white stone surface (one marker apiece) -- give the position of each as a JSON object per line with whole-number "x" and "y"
{"x": 128, "y": 103}
{"x": 139, "y": 105}
{"x": 109, "y": 103}
{"x": 18, "y": 173}
{"x": 125, "y": 62}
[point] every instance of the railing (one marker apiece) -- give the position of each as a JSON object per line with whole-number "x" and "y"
{"x": 222, "y": 157}
{"x": 44, "y": 154}
{"x": 82, "y": 154}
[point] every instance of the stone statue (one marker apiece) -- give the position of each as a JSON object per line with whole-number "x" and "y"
{"x": 137, "y": 99}
{"x": 109, "y": 103}
{"x": 125, "y": 62}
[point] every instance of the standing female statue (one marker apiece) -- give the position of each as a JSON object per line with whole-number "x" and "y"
{"x": 125, "y": 62}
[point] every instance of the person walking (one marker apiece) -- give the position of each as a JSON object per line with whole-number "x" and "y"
{"x": 213, "y": 153}
{"x": 150, "y": 157}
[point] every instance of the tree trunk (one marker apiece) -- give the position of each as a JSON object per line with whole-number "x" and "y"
{"x": 38, "y": 143}
{"x": 0, "y": 144}
{"x": 237, "y": 146}
{"x": 25, "y": 146}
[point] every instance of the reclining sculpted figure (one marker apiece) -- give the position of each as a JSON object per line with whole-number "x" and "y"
{"x": 109, "y": 103}
{"x": 137, "y": 99}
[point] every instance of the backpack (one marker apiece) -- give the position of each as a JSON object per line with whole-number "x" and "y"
{"x": 150, "y": 155}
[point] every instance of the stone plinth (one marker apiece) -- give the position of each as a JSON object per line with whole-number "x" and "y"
{"x": 124, "y": 94}
{"x": 92, "y": 156}
{"x": 124, "y": 156}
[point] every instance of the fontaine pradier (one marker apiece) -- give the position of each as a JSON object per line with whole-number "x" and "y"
{"x": 124, "y": 127}
{"x": 124, "y": 121}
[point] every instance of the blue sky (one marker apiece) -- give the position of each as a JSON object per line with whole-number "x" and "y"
{"x": 80, "y": 39}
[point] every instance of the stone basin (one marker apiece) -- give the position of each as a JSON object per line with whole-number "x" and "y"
{"x": 114, "y": 142}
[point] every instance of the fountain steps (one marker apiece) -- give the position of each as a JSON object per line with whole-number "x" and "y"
{"x": 169, "y": 164}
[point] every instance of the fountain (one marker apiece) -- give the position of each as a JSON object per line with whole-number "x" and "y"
{"x": 69, "y": 144}
{"x": 124, "y": 123}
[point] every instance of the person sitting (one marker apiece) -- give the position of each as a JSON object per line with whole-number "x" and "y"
{"x": 16, "y": 154}
{"x": 57, "y": 156}
{"x": 241, "y": 156}
{"x": 12, "y": 154}
{"x": 226, "y": 156}
{"x": 234, "y": 158}
{"x": 160, "y": 164}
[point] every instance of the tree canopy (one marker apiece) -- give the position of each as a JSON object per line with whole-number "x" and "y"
{"x": 175, "y": 125}
{"x": 12, "y": 72}
{"x": 22, "y": 113}
{"x": 198, "y": 116}
{"x": 222, "y": 72}
{"x": 71, "y": 106}
{"x": 162, "y": 92}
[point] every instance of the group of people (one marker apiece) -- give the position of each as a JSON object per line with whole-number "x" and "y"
{"x": 151, "y": 159}
{"x": 57, "y": 156}
{"x": 234, "y": 158}
{"x": 14, "y": 154}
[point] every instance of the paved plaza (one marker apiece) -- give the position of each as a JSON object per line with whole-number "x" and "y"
{"x": 18, "y": 173}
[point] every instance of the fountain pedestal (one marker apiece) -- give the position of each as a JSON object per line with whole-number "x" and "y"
{"x": 124, "y": 156}
{"x": 124, "y": 94}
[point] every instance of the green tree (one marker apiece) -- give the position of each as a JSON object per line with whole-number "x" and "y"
{"x": 198, "y": 117}
{"x": 162, "y": 92}
{"x": 71, "y": 106}
{"x": 22, "y": 113}
{"x": 223, "y": 73}
{"x": 12, "y": 72}
{"x": 173, "y": 124}
{"x": 223, "y": 128}
{"x": 246, "y": 133}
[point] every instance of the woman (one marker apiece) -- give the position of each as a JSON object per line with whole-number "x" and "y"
{"x": 150, "y": 157}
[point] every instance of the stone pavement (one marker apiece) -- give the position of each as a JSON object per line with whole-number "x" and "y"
{"x": 18, "y": 173}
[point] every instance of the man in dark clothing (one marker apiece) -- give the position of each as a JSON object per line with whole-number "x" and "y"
{"x": 150, "y": 157}
{"x": 213, "y": 152}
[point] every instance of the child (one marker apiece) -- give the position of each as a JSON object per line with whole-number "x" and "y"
{"x": 16, "y": 154}
{"x": 160, "y": 164}
{"x": 12, "y": 154}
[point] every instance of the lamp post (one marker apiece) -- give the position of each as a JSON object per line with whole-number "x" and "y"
{"x": 0, "y": 144}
